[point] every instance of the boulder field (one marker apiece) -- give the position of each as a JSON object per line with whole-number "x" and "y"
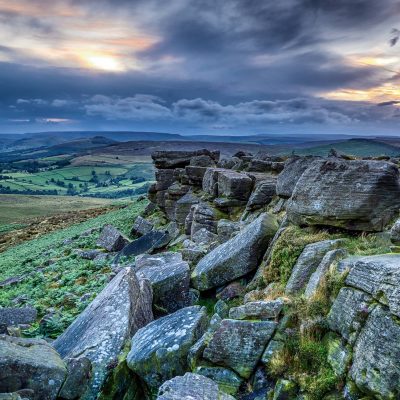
{"x": 252, "y": 278}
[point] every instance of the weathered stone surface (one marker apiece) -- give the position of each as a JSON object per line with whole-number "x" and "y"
{"x": 89, "y": 254}
{"x": 79, "y": 372}
{"x": 175, "y": 192}
{"x": 262, "y": 194}
{"x": 379, "y": 276}
{"x": 237, "y": 256}
{"x": 257, "y": 310}
{"x": 319, "y": 275}
{"x": 272, "y": 348}
{"x": 111, "y": 239}
{"x": 102, "y": 329}
{"x": 293, "y": 169}
{"x": 191, "y": 387}
{"x": 169, "y": 277}
{"x": 203, "y": 216}
{"x": 239, "y": 344}
{"x": 30, "y": 364}
{"x": 285, "y": 390}
{"x": 349, "y": 312}
{"x": 159, "y": 350}
{"x": 183, "y": 206}
{"x": 221, "y": 308}
{"x": 210, "y": 181}
{"x": 196, "y": 351}
{"x": 164, "y": 179}
{"x": 308, "y": 262}
{"x": 226, "y": 229}
{"x": 339, "y": 355}
{"x": 376, "y": 368}
{"x": 141, "y": 227}
{"x": 231, "y": 291}
{"x": 234, "y": 185}
{"x": 395, "y": 233}
{"x": 356, "y": 195}
{"x": 203, "y": 161}
{"x": 195, "y": 175}
{"x": 180, "y": 159}
{"x": 204, "y": 237}
{"x": 17, "y": 315}
{"x": 227, "y": 380}
{"x": 147, "y": 243}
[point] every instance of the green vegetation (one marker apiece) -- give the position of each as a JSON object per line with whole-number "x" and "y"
{"x": 55, "y": 279}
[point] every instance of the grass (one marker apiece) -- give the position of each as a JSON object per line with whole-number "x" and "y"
{"x": 20, "y": 208}
{"x": 56, "y": 279}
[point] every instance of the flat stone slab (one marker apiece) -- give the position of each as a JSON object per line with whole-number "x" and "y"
{"x": 376, "y": 368}
{"x": 159, "y": 350}
{"x": 191, "y": 387}
{"x": 102, "y": 329}
{"x": 257, "y": 310}
{"x": 17, "y": 315}
{"x": 111, "y": 239}
{"x": 169, "y": 277}
{"x": 239, "y": 344}
{"x": 379, "y": 276}
{"x": 236, "y": 257}
{"x": 30, "y": 364}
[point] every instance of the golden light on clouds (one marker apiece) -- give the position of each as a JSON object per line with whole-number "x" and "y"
{"x": 378, "y": 94}
{"x": 103, "y": 62}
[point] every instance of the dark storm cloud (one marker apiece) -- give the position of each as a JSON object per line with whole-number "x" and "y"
{"x": 233, "y": 62}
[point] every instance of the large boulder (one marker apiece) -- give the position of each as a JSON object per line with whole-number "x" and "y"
{"x": 308, "y": 262}
{"x": 292, "y": 171}
{"x": 234, "y": 185}
{"x": 380, "y": 277}
{"x": 203, "y": 216}
{"x": 239, "y": 345}
{"x": 376, "y": 368}
{"x": 236, "y": 257}
{"x": 30, "y": 364}
{"x": 17, "y": 315}
{"x": 183, "y": 206}
{"x": 111, "y": 239}
{"x": 103, "y": 328}
{"x": 259, "y": 310}
{"x": 169, "y": 277}
{"x": 141, "y": 227}
{"x": 191, "y": 387}
{"x": 180, "y": 159}
{"x": 355, "y": 195}
{"x": 159, "y": 350}
{"x": 262, "y": 194}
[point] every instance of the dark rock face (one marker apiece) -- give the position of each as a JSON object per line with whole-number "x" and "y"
{"x": 262, "y": 195}
{"x": 203, "y": 216}
{"x": 79, "y": 372}
{"x": 234, "y": 185}
{"x": 159, "y": 350}
{"x": 101, "y": 330}
{"x": 147, "y": 243}
{"x": 293, "y": 169}
{"x": 380, "y": 277}
{"x": 376, "y": 368}
{"x": 239, "y": 344}
{"x": 191, "y": 387}
{"x": 195, "y": 174}
{"x": 355, "y": 195}
{"x": 169, "y": 277}
{"x": 180, "y": 159}
{"x": 183, "y": 206}
{"x": 210, "y": 181}
{"x": 395, "y": 233}
{"x": 141, "y": 227}
{"x": 30, "y": 364}
{"x": 308, "y": 262}
{"x": 111, "y": 239}
{"x": 237, "y": 256}
{"x": 15, "y": 316}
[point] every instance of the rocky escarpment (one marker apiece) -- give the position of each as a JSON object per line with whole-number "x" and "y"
{"x": 247, "y": 278}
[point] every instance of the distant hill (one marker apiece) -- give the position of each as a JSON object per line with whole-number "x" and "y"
{"x": 355, "y": 147}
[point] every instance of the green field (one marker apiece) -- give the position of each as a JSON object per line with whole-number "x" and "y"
{"x": 68, "y": 283}
{"x": 18, "y": 209}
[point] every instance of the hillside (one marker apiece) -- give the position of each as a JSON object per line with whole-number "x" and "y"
{"x": 243, "y": 278}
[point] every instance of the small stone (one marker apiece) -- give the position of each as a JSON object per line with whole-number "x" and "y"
{"x": 258, "y": 310}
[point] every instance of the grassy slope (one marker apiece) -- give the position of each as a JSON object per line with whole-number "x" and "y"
{"x": 55, "y": 277}
{"x": 20, "y": 208}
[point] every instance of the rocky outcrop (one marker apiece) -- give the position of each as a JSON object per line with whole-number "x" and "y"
{"x": 159, "y": 350}
{"x": 103, "y": 328}
{"x": 293, "y": 169}
{"x": 180, "y": 159}
{"x": 239, "y": 344}
{"x": 307, "y": 264}
{"x": 30, "y": 364}
{"x": 236, "y": 257}
{"x": 111, "y": 239}
{"x": 355, "y": 195}
{"x": 169, "y": 277}
{"x": 183, "y": 206}
{"x": 193, "y": 387}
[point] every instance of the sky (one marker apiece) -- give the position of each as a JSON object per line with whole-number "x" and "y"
{"x": 201, "y": 66}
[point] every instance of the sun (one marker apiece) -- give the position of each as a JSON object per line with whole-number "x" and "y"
{"x": 106, "y": 63}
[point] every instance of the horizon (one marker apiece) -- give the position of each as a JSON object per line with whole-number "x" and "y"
{"x": 201, "y": 68}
